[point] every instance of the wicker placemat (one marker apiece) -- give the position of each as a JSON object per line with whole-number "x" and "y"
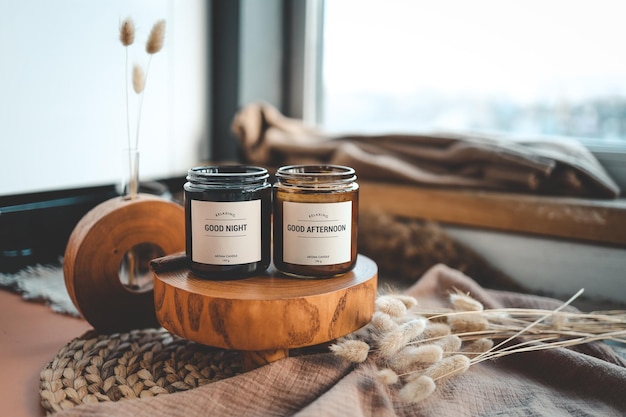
{"x": 142, "y": 363}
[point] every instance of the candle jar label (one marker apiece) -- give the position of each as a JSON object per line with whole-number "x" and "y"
{"x": 317, "y": 233}
{"x": 226, "y": 233}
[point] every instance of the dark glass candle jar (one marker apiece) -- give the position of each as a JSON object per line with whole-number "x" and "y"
{"x": 228, "y": 221}
{"x": 315, "y": 220}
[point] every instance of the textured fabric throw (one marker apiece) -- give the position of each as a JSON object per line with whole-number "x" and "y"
{"x": 589, "y": 380}
{"x": 43, "y": 283}
{"x": 542, "y": 166}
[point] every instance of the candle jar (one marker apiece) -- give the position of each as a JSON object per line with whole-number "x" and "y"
{"x": 228, "y": 221}
{"x": 315, "y": 220}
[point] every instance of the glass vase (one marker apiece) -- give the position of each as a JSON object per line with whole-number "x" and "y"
{"x": 134, "y": 270}
{"x": 130, "y": 179}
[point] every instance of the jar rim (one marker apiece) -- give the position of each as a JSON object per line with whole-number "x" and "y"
{"x": 318, "y": 171}
{"x": 227, "y": 173}
{"x": 228, "y": 170}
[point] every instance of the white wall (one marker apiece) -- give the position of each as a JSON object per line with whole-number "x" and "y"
{"x": 62, "y": 92}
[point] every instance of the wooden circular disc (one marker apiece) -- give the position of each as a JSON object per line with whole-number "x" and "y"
{"x": 95, "y": 250}
{"x": 264, "y": 313}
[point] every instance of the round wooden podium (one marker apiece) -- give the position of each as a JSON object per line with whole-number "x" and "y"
{"x": 265, "y": 316}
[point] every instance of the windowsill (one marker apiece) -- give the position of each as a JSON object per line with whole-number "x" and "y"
{"x": 587, "y": 220}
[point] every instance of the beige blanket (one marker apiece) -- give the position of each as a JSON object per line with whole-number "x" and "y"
{"x": 588, "y": 381}
{"x": 554, "y": 166}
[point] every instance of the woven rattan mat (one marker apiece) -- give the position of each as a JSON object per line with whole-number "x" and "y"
{"x": 142, "y": 363}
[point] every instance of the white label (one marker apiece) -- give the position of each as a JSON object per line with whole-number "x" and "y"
{"x": 225, "y": 233}
{"x": 317, "y": 233}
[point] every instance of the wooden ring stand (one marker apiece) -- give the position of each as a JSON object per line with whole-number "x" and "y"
{"x": 95, "y": 250}
{"x": 265, "y": 316}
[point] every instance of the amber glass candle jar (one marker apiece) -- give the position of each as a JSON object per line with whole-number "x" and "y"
{"x": 228, "y": 221}
{"x": 315, "y": 220}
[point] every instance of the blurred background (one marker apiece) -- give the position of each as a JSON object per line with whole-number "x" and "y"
{"x": 528, "y": 68}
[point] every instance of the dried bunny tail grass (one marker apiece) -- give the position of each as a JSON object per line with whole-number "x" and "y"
{"x": 467, "y": 322}
{"x": 417, "y": 390}
{"x": 127, "y": 37}
{"x": 351, "y": 350}
{"x": 468, "y": 331}
{"x": 383, "y": 322}
{"x": 464, "y": 302}
{"x": 156, "y": 38}
{"x": 408, "y": 301}
{"x": 391, "y": 342}
{"x": 448, "y": 367}
{"x": 478, "y": 346}
{"x": 390, "y": 305}
{"x": 435, "y": 331}
{"x": 408, "y": 317}
{"x": 450, "y": 343}
{"x": 412, "y": 329}
{"x": 387, "y": 376}
{"x": 153, "y": 45}
{"x": 139, "y": 80}
{"x": 127, "y": 32}
{"x": 411, "y": 358}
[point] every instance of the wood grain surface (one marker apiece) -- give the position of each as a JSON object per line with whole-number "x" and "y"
{"x": 269, "y": 313}
{"x": 587, "y": 220}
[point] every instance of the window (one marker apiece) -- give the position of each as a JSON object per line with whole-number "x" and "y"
{"x": 62, "y": 107}
{"x": 551, "y": 67}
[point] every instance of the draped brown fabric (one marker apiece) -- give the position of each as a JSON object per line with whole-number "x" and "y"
{"x": 589, "y": 380}
{"x": 542, "y": 166}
